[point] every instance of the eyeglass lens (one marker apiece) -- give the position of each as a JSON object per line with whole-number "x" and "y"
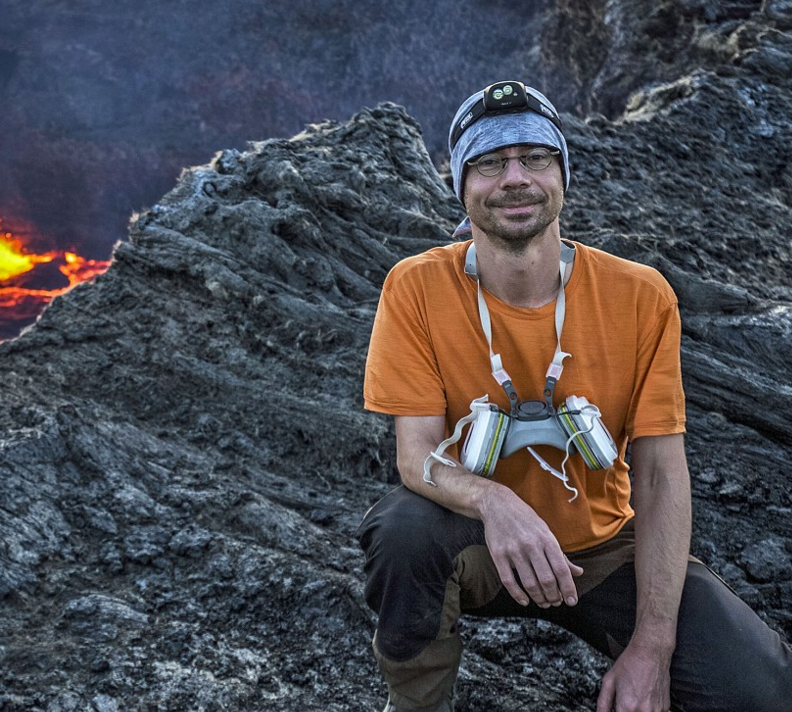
{"x": 492, "y": 164}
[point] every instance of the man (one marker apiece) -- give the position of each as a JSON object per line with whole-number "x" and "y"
{"x": 573, "y": 344}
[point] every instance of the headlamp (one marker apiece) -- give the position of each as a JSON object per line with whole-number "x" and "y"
{"x": 499, "y": 98}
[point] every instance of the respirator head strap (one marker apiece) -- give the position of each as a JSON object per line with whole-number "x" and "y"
{"x": 514, "y": 398}
{"x": 556, "y": 367}
{"x": 436, "y": 455}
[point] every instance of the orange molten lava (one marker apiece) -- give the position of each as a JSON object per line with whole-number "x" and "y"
{"x": 14, "y": 261}
{"x": 79, "y": 269}
{"x": 21, "y": 299}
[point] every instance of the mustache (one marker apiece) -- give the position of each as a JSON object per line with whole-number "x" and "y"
{"x": 516, "y": 199}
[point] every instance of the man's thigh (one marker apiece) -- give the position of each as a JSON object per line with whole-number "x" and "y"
{"x": 726, "y": 657}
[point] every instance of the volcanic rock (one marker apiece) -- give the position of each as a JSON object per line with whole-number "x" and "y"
{"x": 183, "y": 448}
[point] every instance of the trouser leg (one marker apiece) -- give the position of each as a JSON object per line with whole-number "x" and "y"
{"x": 726, "y": 660}
{"x": 426, "y": 681}
{"x": 423, "y": 562}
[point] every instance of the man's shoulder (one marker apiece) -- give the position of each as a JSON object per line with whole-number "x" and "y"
{"x": 429, "y": 265}
{"x": 611, "y": 271}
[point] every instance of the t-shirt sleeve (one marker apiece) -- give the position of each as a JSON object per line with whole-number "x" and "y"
{"x": 402, "y": 376}
{"x": 658, "y": 402}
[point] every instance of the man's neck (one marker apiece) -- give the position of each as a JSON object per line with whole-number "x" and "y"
{"x": 528, "y": 278}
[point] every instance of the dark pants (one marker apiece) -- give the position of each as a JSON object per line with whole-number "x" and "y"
{"x": 426, "y": 565}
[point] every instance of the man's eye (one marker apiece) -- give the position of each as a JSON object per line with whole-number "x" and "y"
{"x": 489, "y": 162}
{"x": 536, "y": 157}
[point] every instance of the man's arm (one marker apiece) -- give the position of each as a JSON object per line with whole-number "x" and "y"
{"x": 518, "y": 539}
{"x": 639, "y": 680}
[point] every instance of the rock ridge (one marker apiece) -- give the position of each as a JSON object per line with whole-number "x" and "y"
{"x": 183, "y": 447}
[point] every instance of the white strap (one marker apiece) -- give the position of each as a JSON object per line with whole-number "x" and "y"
{"x": 498, "y": 371}
{"x": 562, "y": 474}
{"x": 437, "y": 454}
{"x": 552, "y": 470}
{"x": 556, "y": 366}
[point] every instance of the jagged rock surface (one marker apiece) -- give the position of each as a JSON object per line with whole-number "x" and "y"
{"x": 183, "y": 450}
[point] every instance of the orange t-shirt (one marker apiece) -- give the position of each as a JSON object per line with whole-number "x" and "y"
{"x": 428, "y": 356}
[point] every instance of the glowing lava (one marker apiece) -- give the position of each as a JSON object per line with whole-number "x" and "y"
{"x": 25, "y": 291}
{"x": 14, "y": 260}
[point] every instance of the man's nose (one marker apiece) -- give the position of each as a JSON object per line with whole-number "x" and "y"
{"x": 515, "y": 173}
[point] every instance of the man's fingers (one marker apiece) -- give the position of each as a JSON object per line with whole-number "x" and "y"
{"x": 531, "y": 583}
{"x": 511, "y": 581}
{"x": 547, "y": 582}
{"x": 519, "y": 579}
{"x": 551, "y": 581}
{"x": 607, "y": 696}
{"x": 563, "y": 571}
{"x": 525, "y": 572}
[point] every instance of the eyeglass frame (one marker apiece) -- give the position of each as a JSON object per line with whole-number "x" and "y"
{"x": 505, "y": 161}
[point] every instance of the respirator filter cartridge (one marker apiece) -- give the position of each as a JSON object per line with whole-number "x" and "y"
{"x": 484, "y": 441}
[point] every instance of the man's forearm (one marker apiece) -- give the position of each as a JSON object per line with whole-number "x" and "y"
{"x": 663, "y": 524}
{"x": 525, "y": 552}
{"x": 457, "y": 489}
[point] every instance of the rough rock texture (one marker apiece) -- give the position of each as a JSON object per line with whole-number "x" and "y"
{"x": 183, "y": 452}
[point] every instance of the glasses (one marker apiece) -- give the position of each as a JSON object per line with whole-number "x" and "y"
{"x": 491, "y": 164}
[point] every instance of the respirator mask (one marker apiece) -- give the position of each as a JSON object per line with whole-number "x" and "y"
{"x": 575, "y": 426}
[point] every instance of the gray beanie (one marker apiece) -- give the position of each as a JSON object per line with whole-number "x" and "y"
{"x": 494, "y": 131}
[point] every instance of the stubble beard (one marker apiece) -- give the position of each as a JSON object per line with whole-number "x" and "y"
{"x": 514, "y": 236}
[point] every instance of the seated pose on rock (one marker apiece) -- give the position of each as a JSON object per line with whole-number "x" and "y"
{"x": 543, "y": 348}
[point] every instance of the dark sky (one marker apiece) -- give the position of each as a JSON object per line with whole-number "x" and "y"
{"x": 105, "y": 103}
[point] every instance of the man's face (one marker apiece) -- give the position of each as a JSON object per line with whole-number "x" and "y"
{"x": 519, "y": 204}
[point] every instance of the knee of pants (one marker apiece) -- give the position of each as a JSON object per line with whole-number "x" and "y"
{"x": 727, "y": 657}
{"x": 412, "y": 539}
{"x": 409, "y": 529}
{"x": 410, "y": 545}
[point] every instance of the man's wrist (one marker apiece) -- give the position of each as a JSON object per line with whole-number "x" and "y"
{"x": 657, "y": 641}
{"x": 487, "y": 496}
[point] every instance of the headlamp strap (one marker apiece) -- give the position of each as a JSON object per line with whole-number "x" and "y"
{"x": 556, "y": 366}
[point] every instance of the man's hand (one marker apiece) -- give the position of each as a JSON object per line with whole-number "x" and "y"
{"x": 639, "y": 681}
{"x": 522, "y": 546}
{"x": 526, "y": 552}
